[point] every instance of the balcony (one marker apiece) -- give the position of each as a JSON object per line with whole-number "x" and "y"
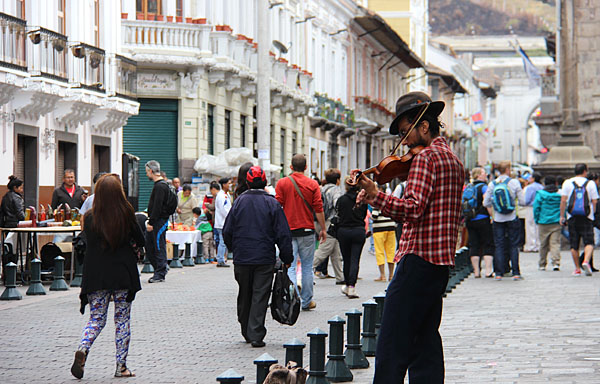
{"x": 12, "y": 42}
{"x": 47, "y": 54}
{"x": 87, "y": 67}
{"x": 332, "y": 116}
{"x": 373, "y": 114}
{"x": 126, "y": 86}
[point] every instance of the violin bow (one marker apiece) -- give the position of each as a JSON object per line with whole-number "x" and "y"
{"x": 401, "y": 142}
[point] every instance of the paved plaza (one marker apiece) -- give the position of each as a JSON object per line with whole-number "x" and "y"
{"x": 542, "y": 329}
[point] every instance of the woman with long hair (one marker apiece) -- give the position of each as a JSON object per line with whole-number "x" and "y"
{"x": 241, "y": 179}
{"x": 109, "y": 270}
{"x": 12, "y": 209}
{"x": 351, "y": 235}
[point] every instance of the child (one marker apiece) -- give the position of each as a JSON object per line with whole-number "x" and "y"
{"x": 208, "y": 242}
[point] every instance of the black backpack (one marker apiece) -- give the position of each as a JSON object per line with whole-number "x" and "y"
{"x": 171, "y": 204}
{"x": 285, "y": 303}
{"x": 47, "y": 254}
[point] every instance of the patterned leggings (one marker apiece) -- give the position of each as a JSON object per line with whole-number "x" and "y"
{"x": 98, "y": 313}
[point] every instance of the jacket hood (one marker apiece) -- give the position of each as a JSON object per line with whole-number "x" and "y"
{"x": 551, "y": 188}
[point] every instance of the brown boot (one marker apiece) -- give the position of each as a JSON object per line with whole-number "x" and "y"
{"x": 78, "y": 364}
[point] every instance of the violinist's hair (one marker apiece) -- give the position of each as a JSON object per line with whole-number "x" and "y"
{"x": 434, "y": 121}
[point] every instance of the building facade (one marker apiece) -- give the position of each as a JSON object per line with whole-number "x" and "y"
{"x": 65, "y": 92}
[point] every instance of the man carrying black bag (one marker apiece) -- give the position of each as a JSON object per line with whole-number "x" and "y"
{"x": 255, "y": 224}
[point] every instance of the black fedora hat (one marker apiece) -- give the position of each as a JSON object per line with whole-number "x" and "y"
{"x": 412, "y": 101}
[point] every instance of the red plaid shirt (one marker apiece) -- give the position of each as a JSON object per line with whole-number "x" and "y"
{"x": 430, "y": 207}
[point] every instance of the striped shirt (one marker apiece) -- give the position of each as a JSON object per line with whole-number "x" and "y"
{"x": 382, "y": 223}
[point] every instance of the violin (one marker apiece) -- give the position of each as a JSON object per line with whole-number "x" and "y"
{"x": 390, "y": 167}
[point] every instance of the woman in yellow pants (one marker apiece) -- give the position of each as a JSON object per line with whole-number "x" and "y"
{"x": 384, "y": 236}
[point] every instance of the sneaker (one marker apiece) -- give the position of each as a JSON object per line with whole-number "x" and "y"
{"x": 311, "y": 305}
{"x": 497, "y": 277}
{"x": 541, "y": 268}
{"x": 156, "y": 280}
{"x": 517, "y": 277}
{"x": 340, "y": 282}
{"x": 345, "y": 289}
{"x": 352, "y": 293}
{"x": 587, "y": 269}
{"x": 556, "y": 268}
{"x": 320, "y": 275}
{"x": 222, "y": 265}
{"x": 577, "y": 272}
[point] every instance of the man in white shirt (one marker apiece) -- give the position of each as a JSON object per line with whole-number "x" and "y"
{"x": 505, "y": 225}
{"x": 222, "y": 207}
{"x": 580, "y": 224}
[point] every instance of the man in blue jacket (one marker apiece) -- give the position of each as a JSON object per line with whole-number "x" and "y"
{"x": 255, "y": 224}
{"x": 546, "y": 212}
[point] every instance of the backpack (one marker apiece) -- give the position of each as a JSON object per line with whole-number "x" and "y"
{"x": 471, "y": 201}
{"x": 171, "y": 204}
{"x": 579, "y": 203}
{"x": 501, "y": 198}
{"x": 285, "y": 302}
{"x": 47, "y": 255}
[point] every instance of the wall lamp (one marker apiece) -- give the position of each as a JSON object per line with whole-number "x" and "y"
{"x": 338, "y": 32}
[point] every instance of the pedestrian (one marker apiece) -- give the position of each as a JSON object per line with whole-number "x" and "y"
{"x": 87, "y": 204}
{"x": 12, "y": 209}
{"x": 203, "y": 225}
{"x": 242, "y": 186}
{"x": 546, "y": 213}
{"x": 158, "y": 220}
{"x": 479, "y": 226}
{"x": 330, "y": 248}
{"x": 501, "y": 195}
{"x": 531, "y": 228}
{"x": 68, "y": 193}
{"x": 578, "y": 199}
{"x": 176, "y": 183}
{"x": 222, "y": 207}
{"x": 300, "y": 197}
{"x": 186, "y": 202}
{"x": 351, "y": 236}
{"x": 109, "y": 270}
{"x": 255, "y": 224}
{"x": 409, "y": 338}
{"x": 384, "y": 235}
{"x": 208, "y": 206}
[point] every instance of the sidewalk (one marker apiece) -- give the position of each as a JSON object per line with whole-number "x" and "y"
{"x": 542, "y": 329}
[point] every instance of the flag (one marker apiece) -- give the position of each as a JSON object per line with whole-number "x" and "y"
{"x": 477, "y": 118}
{"x": 532, "y": 73}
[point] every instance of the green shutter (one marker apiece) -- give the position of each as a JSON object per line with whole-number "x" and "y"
{"x": 152, "y": 135}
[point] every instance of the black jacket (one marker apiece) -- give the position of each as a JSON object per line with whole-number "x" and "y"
{"x": 349, "y": 216}
{"x": 104, "y": 268}
{"x": 12, "y": 209}
{"x": 61, "y": 196}
{"x": 157, "y": 205}
{"x": 254, "y": 225}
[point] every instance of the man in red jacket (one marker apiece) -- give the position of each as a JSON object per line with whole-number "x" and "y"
{"x": 300, "y": 197}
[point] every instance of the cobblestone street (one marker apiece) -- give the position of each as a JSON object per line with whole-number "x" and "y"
{"x": 542, "y": 329}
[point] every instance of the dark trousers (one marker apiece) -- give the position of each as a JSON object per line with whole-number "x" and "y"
{"x": 255, "y": 283}
{"x": 351, "y": 241}
{"x": 156, "y": 248}
{"x": 506, "y": 240}
{"x": 409, "y": 338}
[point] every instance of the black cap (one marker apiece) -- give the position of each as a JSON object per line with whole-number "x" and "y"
{"x": 412, "y": 101}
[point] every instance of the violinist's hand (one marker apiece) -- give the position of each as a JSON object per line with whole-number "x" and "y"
{"x": 365, "y": 184}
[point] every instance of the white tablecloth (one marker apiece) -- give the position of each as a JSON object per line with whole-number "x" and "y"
{"x": 182, "y": 237}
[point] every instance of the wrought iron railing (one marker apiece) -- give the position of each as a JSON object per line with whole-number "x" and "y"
{"x": 87, "y": 67}
{"x": 12, "y": 42}
{"x": 334, "y": 110}
{"x": 47, "y": 54}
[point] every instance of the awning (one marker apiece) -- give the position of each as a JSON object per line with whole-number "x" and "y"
{"x": 375, "y": 26}
{"x": 447, "y": 77}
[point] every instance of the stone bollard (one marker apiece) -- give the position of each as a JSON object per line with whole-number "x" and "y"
{"x": 148, "y": 268}
{"x": 263, "y": 363}
{"x": 230, "y": 376}
{"x": 317, "y": 357}
{"x": 369, "y": 337}
{"x": 355, "y": 358}
{"x": 175, "y": 263}
{"x": 199, "y": 254}
{"x": 187, "y": 261}
{"x": 59, "y": 283}
{"x": 35, "y": 285}
{"x": 10, "y": 292}
{"x": 78, "y": 278}
{"x": 337, "y": 370}
{"x": 380, "y": 300}
{"x": 293, "y": 351}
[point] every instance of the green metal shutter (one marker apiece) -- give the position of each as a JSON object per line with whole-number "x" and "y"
{"x": 152, "y": 135}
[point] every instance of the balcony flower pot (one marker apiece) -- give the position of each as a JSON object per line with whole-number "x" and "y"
{"x": 150, "y": 17}
{"x": 124, "y": 16}
{"x": 189, "y": 20}
{"x": 169, "y": 19}
{"x": 160, "y": 18}
{"x": 139, "y": 16}
{"x": 200, "y": 21}
{"x": 179, "y": 19}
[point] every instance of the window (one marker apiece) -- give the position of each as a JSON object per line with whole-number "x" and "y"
{"x": 20, "y": 9}
{"x": 211, "y": 129}
{"x": 179, "y": 8}
{"x": 97, "y": 23}
{"x": 227, "y": 129}
{"x": 282, "y": 147}
{"x": 66, "y": 158}
{"x": 243, "y": 131}
{"x": 61, "y": 18}
{"x": 294, "y": 143}
{"x": 368, "y": 154}
{"x": 149, "y": 7}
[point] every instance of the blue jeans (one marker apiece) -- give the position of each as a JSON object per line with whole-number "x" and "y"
{"x": 506, "y": 239}
{"x": 222, "y": 248}
{"x": 304, "y": 248}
